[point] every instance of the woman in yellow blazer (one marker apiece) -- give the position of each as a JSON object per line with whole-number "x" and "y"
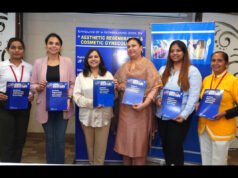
{"x": 216, "y": 135}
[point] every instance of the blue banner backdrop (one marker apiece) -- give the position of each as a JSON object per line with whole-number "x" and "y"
{"x": 199, "y": 38}
{"x": 112, "y": 45}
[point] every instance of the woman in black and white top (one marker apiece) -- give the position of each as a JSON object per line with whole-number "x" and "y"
{"x": 13, "y": 123}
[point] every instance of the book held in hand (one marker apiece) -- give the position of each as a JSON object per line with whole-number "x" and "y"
{"x": 103, "y": 93}
{"x": 134, "y": 92}
{"x": 56, "y": 96}
{"x": 171, "y": 103}
{"x": 17, "y": 93}
{"x": 210, "y": 103}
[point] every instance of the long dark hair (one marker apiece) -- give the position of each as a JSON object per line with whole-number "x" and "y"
{"x": 87, "y": 70}
{"x": 183, "y": 81}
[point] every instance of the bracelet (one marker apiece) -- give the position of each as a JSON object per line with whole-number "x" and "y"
{"x": 70, "y": 97}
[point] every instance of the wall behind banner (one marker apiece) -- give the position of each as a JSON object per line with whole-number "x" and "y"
{"x": 36, "y": 26}
{"x": 226, "y": 39}
{"x": 7, "y": 30}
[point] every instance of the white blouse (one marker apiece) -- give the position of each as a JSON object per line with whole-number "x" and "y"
{"x": 7, "y": 75}
{"x": 83, "y": 97}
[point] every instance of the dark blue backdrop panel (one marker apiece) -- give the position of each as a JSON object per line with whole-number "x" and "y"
{"x": 112, "y": 45}
{"x": 191, "y": 145}
{"x": 81, "y": 150}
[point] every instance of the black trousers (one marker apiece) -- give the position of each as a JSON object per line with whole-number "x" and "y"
{"x": 13, "y": 131}
{"x": 172, "y": 135}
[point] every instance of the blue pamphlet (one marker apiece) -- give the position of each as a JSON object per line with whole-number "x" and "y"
{"x": 103, "y": 93}
{"x": 171, "y": 103}
{"x": 57, "y": 96}
{"x": 134, "y": 92}
{"x": 210, "y": 103}
{"x": 17, "y": 93}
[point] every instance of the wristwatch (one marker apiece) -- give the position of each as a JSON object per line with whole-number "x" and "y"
{"x": 70, "y": 97}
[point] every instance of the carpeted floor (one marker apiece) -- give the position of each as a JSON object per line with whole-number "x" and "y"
{"x": 34, "y": 151}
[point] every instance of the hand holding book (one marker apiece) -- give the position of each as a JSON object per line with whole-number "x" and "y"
{"x": 115, "y": 83}
{"x": 179, "y": 119}
{"x": 158, "y": 102}
{"x": 219, "y": 115}
{"x": 41, "y": 86}
{"x": 30, "y": 97}
{"x": 142, "y": 106}
{"x": 3, "y": 97}
{"x": 122, "y": 86}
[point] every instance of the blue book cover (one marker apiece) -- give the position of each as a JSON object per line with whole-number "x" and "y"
{"x": 17, "y": 93}
{"x": 134, "y": 92}
{"x": 103, "y": 93}
{"x": 171, "y": 103}
{"x": 57, "y": 96}
{"x": 210, "y": 103}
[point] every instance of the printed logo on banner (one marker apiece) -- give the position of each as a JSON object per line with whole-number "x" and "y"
{"x": 199, "y": 38}
{"x": 113, "y": 47}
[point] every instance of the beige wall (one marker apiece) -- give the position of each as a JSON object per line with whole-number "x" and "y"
{"x": 36, "y": 26}
{"x": 226, "y": 36}
{"x": 226, "y": 39}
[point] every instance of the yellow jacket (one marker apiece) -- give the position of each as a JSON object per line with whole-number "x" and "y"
{"x": 221, "y": 129}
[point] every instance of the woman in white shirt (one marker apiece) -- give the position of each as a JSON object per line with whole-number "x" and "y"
{"x": 95, "y": 121}
{"x": 13, "y": 123}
